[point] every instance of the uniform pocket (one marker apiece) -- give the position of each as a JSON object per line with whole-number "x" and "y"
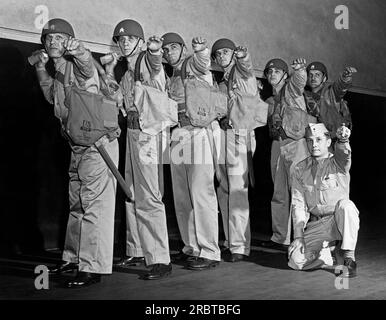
{"x": 329, "y": 182}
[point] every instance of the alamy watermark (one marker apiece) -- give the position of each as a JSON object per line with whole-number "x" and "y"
{"x": 342, "y": 20}
{"x": 42, "y": 16}
{"x": 42, "y": 280}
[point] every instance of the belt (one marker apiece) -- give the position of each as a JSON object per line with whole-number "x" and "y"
{"x": 318, "y": 217}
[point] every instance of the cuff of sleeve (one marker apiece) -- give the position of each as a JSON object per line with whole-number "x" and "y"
{"x": 46, "y": 82}
{"x": 206, "y": 48}
{"x": 83, "y": 55}
{"x": 155, "y": 53}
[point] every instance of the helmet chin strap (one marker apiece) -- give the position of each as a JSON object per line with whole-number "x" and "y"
{"x": 281, "y": 78}
{"x": 179, "y": 58}
{"x": 230, "y": 61}
{"x": 132, "y": 51}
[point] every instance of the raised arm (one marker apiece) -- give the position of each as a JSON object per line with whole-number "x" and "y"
{"x": 342, "y": 152}
{"x": 298, "y": 80}
{"x": 200, "y": 64}
{"x": 46, "y": 82}
{"x": 244, "y": 62}
{"x": 154, "y": 56}
{"x": 343, "y": 83}
{"x": 83, "y": 59}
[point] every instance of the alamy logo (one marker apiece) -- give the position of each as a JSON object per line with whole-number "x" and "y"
{"x": 42, "y": 16}
{"x": 341, "y": 282}
{"x": 342, "y": 20}
{"x": 42, "y": 280}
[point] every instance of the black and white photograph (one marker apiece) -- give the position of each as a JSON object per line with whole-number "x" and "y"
{"x": 192, "y": 157}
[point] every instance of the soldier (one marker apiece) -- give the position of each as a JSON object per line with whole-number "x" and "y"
{"x": 321, "y": 208}
{"x": 193, "y": 179}
{"x": 89, "y": 238}
{"x": 287, "y": 120}
{"x": 232, "y": 191}
{"x": 147, "y": 237}
{"x": 325, "y": 101}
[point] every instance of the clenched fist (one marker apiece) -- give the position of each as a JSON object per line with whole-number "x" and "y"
{"x": 343, "y": 133}
{"x": 299, "y": 64}
{"x": 154, "y": 43}
{"x": 241, "y": 52}
{"x": 199, "y": 44}
{"x": 41, "y": 58}
{"x": 348, "y": 72}
{"x": 74, "y": 46}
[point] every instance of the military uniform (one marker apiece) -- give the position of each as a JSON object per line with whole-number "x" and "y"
{"x": 320, "y": 202}
{"x": 92, "y": 186}
{"x": 192, "y": 169}
{"x": 232, "y": 146}
{"x": 291, "y": 94}
{"x": 145, "y": 212}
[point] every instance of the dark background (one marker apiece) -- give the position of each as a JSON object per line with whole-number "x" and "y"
{"x": 34, "y": 160}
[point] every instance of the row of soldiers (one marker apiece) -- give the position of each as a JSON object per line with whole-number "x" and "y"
{"x": 296, "y": 136}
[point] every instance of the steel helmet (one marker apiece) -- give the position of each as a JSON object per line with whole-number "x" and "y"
{"x": 276, "y": 63}
{"x": 316, "y": 65}
{"x": 172, "y": 37}
{"x": 221, "y": 44}
{"x": 128, "y": 28}
{"x": 57, "y": 26}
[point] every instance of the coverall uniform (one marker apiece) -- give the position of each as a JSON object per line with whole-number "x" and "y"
{"x": 146, "y": 232}
{"x": 232, "y": 191}
{"x": 192, "y": 169}
{"x": 92, "y": 187}
{"x": 290, "y": 94}
{"x": 320, "y": 200}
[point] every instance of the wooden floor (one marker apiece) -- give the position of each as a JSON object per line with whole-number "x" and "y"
{"x": 264, "y": 275}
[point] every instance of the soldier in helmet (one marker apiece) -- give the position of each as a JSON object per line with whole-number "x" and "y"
{"x": 323, "y": 99}
{"x": 232, "y": 191}
{"x": 88, "y": 244}
{"x": 193, "y": 181}
{"x": 321, "y": 208}
{"x": 147, "y": 237}
{"x": 287, "y": 100}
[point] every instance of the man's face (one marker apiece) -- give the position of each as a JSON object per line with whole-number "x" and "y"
{"x": 318, "y": 145}
{"x": 127, "y": 44}
{"x": 172, "y": 52}
{"x": 275, "y": 76}
{"x": 315, "y": 79}
{"x": 223, "y": 57}
{"x": 54, "y": 43}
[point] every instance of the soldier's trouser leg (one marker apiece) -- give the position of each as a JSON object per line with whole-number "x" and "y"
{"x": 222, "y": 175}
{"x": 133, "y": 242}
{"x": 342, "y": 225}
{"x": 237, "y": 170}
{"x": 280, "y": 204}
{"x": 72, "y": 240}
{"x": 196, "y": 211}
{"x": 347, "y": 222}
{"x": 150, "y": 210}
{"x": 97, "y": 197}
